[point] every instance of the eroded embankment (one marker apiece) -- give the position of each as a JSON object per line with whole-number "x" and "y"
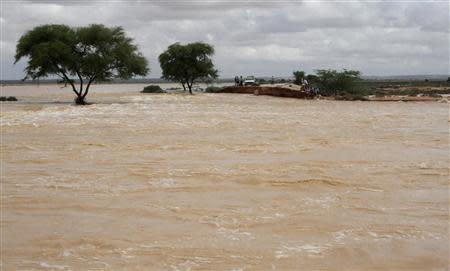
{"x": 272, "y": 91}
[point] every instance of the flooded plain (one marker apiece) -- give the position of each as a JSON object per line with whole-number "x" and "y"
{"x": 222, "y": 182}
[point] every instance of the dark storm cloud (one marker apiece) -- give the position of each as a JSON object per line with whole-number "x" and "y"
{"x": 260, "y": 37}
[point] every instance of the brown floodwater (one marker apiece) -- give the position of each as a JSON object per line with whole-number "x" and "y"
{"x": 222, "y": 182}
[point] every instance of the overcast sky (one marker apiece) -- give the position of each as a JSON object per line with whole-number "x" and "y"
{"x": 262, "y": 38}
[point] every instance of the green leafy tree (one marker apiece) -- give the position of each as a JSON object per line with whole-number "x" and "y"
{"x": 188, "y": 63}
{"x": 311, "y": 78}
{"x": 299, "y": 76}
{"x": 82, "y": 55}
{"x": 332, "y": 82}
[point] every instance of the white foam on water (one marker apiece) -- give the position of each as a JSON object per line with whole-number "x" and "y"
{"x": 286, "y": 251}
{"x": 235, "y": 235}
{"x": 165, "y": 182}
{"x": 186, "y": 265}
{"x": 324, "y": 202}
{"x": 77, "y": 115}
{"x": 66, "y": 253}
{"x": 53, "y": 266}
{"x": 339, "y": 236}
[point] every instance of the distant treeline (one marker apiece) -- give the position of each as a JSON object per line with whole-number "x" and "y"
{"x": 372, "y": 80}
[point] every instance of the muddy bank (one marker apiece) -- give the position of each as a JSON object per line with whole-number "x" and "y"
{"x": 397, "y": 98}
{"x": 271, "y": 91}
{"x": 278, "y": 91}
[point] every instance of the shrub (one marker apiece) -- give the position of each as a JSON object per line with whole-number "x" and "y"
{"x": 332, "y": 82}
{"x": 213, "y": 89}
{"x": 153, "y": 89}
{"x": 9, "y": 99}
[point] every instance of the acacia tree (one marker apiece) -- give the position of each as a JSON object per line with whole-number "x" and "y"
{"x": 299, "y": 76}
{"x": 332, "y": 82}
{"x": 80, "y": 55}
{"x": 188, "y": 63}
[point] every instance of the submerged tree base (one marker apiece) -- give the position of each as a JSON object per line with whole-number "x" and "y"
{"x": 80, "y": 101}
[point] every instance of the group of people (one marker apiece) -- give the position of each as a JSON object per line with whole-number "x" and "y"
{"x": 238, "y": 81}
{"x": 312, "y": 90}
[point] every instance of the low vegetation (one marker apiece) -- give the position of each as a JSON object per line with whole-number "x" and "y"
{"x": 213, "y": 89}
{"x": 8, "y": 99}
{"x": 339, "y": 83}
{"x": 153, "y": 89}
{"x": 344, "y": 85}
{"x": 407, "y": 88}
{"x": 351, "y": 97}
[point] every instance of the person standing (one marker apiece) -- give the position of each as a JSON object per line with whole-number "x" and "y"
{"x": 305, "y": 83}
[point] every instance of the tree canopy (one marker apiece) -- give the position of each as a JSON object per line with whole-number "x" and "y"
{"x": 188, "y": 63}
{"x": 84, "y": 54}
{"x": 299, "y": 76}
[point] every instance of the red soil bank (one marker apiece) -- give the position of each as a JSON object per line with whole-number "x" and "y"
{"x": 272, "y": 91}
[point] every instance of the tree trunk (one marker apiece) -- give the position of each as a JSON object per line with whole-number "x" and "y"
{"x": 81, "y": 97}
{"x": 190, "y": 86}
{"x": 184, "y": 87}
{"x": 79, "y": 100}
{"x": 86, "y": 91}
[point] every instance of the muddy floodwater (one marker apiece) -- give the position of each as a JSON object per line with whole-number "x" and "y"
{"x": 222, "y": 182}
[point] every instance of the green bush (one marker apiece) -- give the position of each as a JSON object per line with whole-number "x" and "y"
{"x": 213, "y": 89}
{"x": 9, "y": 99}
{"x": 153, "y": 89}
{"x": 332, "y": 82}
